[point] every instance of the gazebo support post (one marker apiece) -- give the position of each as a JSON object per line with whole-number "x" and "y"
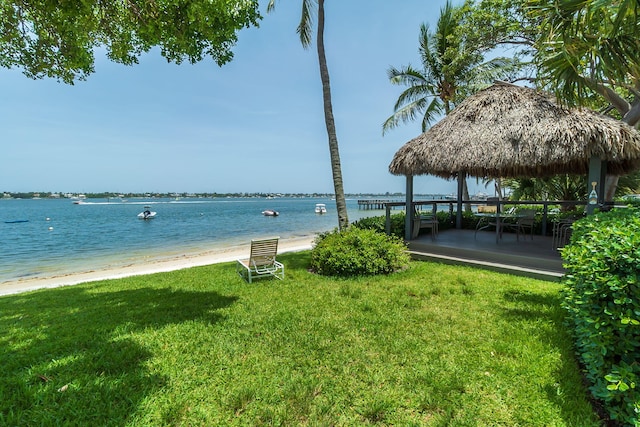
{"x": 408, "y": 218}
{"x": 597, "y": 174}
{"x": 461, "y": 178}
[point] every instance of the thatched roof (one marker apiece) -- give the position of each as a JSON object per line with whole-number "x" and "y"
{"x": 511, "y": 131}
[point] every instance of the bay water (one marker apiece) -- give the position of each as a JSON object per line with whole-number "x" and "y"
{"x": 49, "y": 237}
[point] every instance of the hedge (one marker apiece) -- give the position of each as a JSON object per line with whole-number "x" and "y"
{"x": 602, "y": 299}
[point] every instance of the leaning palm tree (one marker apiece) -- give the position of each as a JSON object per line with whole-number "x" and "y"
{"x": 451, "y": 70}
{"x": 305, "y": 30}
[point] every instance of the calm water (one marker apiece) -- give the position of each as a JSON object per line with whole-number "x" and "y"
{"x": 62, "y": 237}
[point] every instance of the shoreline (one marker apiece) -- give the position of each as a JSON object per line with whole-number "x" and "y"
{"x": 159, "y": 265}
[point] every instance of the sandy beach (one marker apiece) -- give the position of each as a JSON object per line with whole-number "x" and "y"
{"x": 229, "y": 254}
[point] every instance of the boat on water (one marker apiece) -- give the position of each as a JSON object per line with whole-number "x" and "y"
{"x": 270, "y": 212}
{"x": 147, "y": 213}
{"x": 16, "y": 221}
{"x": 79, "y": 199}
{"x": 321, "y": 208}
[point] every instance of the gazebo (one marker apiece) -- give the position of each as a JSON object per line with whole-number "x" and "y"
{"x": 512, "y": 131}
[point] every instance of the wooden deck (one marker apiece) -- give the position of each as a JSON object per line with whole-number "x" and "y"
{"x": 533, "y": 258}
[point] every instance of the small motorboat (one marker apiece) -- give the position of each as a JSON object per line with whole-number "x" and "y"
{"x": 147, "y": 213}
{"x": 321, "y": 208}
{"x": 270, "y": 212}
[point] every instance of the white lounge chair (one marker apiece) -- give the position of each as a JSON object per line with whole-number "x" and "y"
{"x": 262, "y": 261}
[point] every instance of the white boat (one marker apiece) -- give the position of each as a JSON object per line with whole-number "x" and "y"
{"x": 147, "y": 213}
{"x": 321, "y": 208}
{"x": 270, "y": 212}
{"x": 79, "y": 199}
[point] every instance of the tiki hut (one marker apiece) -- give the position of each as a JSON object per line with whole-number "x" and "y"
{"x": 512, "y": 131}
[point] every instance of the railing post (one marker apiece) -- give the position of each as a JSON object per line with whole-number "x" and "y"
{"x": 461, "y": 178}
{"x": 408, "y": 218}
{"x": 387, "y": 221}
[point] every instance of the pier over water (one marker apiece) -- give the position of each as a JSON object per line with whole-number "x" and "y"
{"x": 371, "y": 204}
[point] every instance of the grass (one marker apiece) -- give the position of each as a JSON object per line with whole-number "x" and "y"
{"x": 434, "y": 345}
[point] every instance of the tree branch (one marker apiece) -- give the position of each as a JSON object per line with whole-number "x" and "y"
{"x": 610, "y": 95}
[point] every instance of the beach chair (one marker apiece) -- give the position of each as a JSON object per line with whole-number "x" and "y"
{"x": 262, "y": 261}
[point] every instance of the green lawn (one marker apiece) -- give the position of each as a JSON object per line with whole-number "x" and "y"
{"x": 434, "y": 345}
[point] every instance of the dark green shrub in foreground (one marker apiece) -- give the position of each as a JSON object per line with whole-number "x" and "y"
{"x": 358, "y": 252}
{"x": 602, "y": 297}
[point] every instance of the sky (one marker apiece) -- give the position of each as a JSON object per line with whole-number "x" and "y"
{"x": 255, "y": 124}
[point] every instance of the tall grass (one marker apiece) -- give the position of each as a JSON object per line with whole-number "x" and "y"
{"x": 433, "y": 345}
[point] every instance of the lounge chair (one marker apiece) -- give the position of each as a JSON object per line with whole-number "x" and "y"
{"x": 262, "y": 261}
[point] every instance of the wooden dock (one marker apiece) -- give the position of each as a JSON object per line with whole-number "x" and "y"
{"x": 376, "y": 204}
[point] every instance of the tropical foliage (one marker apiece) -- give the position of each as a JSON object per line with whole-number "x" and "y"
{"x": 452, "y": 68}
{"x": 591, "y": 46}
{"x": 58, "y": 39}
{"x": 559, "y": 187}
{"x": 603, "y": 306}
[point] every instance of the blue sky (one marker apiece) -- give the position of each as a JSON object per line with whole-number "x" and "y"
{"x": 253, "y": 125}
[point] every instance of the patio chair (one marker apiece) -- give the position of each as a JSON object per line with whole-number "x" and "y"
{"x": 525, "y": 223}
{"x": 429, "y": 221}
{"x": 562, "y": 232}
{"x": 262, "y": 261}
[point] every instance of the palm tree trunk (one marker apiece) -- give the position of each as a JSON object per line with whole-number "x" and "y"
{"x": 611, "y": 185}
{"x": 341, "y": 204}
{"x": 465, "y": 195}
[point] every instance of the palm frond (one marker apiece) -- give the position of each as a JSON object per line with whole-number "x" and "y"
{"x": 305, "y": 27}
{"x": 413, "y": 94}
{"x": 407, "y": 76}
{"x": 405, "y": 114}
{"x": 434, "y": 111}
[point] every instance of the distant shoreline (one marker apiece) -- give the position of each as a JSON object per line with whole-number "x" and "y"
{"x": 158, "y": 265}
{"x": 10, "y": 195}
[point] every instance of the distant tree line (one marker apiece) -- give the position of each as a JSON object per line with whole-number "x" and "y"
{"x": 112, "y": 195}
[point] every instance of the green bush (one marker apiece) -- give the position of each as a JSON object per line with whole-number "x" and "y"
{"x": 602, "y": 298}
{"x": 378, "y": 223}
{"x": 358, "y": 252}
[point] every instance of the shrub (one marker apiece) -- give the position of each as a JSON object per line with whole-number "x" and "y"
{"x": 602, "y": 298}
{"x": 358, "y": 252}
{"x": 378, "y": 223}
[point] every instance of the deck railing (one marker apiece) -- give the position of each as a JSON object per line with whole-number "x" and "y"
{"x": 452, "y": 207}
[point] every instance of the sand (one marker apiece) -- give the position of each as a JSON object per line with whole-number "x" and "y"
{"x": 293, "y": 244}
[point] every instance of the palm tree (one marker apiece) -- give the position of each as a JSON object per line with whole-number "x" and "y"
{"x": 591, "y": 47}
{"x": 451, "y": 70}
{"x": 304, "y": 30}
